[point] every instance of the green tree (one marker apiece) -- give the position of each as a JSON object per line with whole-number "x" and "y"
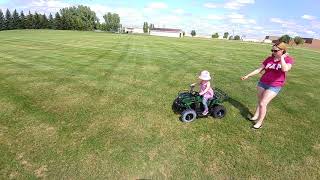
{"x": 8, "y": 20}
{"x": 15, "y": 20}
{"x": 2, "y": 21}
{"x": 107, "y": 22}
{"x": 51, "y": 22}
{"x": 230, "y": 37}
{"x": 225, "y": 35}
{"x": 44, "y": 22}
{"x": 193, "y": 33}
{"x": 57, "y": 21}
{"x": 298, "y": 40}
{"x": 112, "y": 22}
{"x": 22, "y": 21}
{"x": 97, "y": 24}
{"x": 285, "y": 38}
{"x": 37, "y": 21}
{"x": 78, "y": 18}
{"x": 236, "y": 37}
{"x": 151, "y": 26}
{"x": 30, "y": 22}
{"x": 145, "y": 27}
{"x": 215, "y": 35}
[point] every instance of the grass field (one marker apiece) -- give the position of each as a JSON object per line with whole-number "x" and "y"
{"x": 85, "y": 105}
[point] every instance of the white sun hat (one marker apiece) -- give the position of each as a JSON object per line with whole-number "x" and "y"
{"x": 205, "y": 75}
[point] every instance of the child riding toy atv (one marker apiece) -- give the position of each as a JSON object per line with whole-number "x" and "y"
{"x": 189, "y": 105}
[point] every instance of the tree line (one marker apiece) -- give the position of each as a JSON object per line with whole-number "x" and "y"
{"x": 80, "y": 18}
{"x": 285, "y": 38}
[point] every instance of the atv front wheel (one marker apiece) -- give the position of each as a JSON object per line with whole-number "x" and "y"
{"x": 188, "y": 115}
{"x": 218, "y": 111}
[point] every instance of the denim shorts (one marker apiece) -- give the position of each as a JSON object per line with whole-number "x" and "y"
{"x": 275, "y": 89}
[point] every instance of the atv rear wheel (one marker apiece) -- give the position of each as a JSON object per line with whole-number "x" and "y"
{"x": 218, "y": 111}
{"x": 175, "y": 106}
{"x": 188, "y": 115}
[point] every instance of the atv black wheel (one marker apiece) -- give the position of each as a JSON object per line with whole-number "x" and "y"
{"x": 175, "y": 106}
{"x": 218, "y": 111}
{"x": 188, "y": 115}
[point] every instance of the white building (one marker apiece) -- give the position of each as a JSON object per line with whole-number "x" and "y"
{"x": 133, "y": 30}
{"x": 166, "y": 32}
{"x": 267, "y": 41}
{"x": 251, "y": 40}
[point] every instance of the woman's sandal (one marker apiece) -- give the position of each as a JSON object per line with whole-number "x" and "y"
{"x": 253, "y": 127}
{"x": 252, "y": 119}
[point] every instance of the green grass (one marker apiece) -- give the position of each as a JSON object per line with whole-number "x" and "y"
{"x": 97, "y": 105}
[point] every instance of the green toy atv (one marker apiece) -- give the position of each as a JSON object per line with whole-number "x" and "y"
{"x": 189, "y": 105}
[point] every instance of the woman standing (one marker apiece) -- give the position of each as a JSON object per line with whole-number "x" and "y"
{"x": 276, "y": 67}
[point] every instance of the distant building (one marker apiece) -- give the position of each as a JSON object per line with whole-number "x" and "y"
{"x": 129, "y": 30}
{"x": 267, "y": 41}
{"x": 166, "y": 32}
{"x": 273, "y": 39}
{"x": 308, "y": 42}
{"x": 251, "y": 40}
{"x": 311, "y": 43}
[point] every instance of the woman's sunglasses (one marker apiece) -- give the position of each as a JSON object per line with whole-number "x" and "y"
{"x": 274, "y": 51}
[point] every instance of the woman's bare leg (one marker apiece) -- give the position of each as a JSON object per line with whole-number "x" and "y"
{"x": 259, "y": 96}
{"x": 267, "y": 96}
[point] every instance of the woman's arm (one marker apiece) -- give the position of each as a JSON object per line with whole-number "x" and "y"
{"x": 206, "y": 90}
{"x": 257, "y": 71}
{"x": 284, "y": 66}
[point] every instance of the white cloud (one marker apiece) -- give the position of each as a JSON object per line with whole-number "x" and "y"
{"x": 315, "y": 24}
{"x": 284, "y": 23}
{"x": 258, "y": 27}
{"x": 170, "y": 21}
{"x": 240, "y": 19}
{"x": 236, "y": 16}
{"x": 40, "y": 6}
{"x": 308, "y": 17}
{"x": 178, "y": 11}
{"x": 210, "y": 5}
{"x": 232, "y": 5}
{"x": 100, "y": 10}
{"x": 310, "y": 32}
{"x": 48, "y": 5}
{"x": 245, "y": 1}
{"x": 292, "y": 33}
{"x": 243, "y": 21}
{"x": 215, "y": 17}
{"x": 277, "y": 20}
{"x": 131, "y": 17}
{"x": 237, "y": 4}
{"x": 155, "y": 6}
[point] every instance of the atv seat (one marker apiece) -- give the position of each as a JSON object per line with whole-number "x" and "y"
{"x": 211, "y": 100}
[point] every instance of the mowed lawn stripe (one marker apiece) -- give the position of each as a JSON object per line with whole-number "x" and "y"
{"x": 98, "y": 105}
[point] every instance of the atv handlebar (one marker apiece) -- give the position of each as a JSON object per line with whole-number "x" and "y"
{"x": 192, "y": 87}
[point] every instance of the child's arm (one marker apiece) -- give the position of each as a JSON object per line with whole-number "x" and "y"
{"x": 194, "y": 84}
{"x": 206, "y": 90}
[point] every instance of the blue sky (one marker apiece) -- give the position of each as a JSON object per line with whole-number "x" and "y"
{"x": 252, "y": 18}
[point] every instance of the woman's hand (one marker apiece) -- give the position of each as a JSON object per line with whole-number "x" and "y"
{"x": 244, "y": 78}
{"x": 284, "y": 55}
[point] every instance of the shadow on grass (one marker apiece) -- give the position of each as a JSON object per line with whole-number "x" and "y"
{"x": 244, "y": 110}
